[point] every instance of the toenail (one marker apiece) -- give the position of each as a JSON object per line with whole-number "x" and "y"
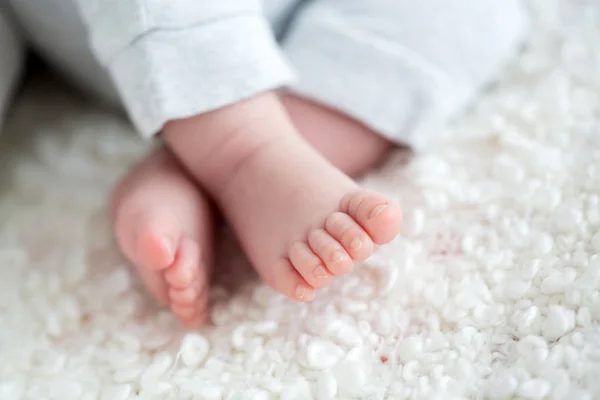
{"x": 337, "y": 257}
{"x": 378, "y": 210}
{"x": 320, "y": 272}
{"x": 300, "y": 291}
{"x": 356, "y": 244}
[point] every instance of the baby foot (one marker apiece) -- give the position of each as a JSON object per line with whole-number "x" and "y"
{"x": 362, "y": 220}
{"x": 300, "y": 220}
{"x": 163, "y": 225}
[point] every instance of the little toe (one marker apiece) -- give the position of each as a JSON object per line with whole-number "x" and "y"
{"x": 348, "y": 233}
{"x": 190, "y": 305}
{"x": 286, "y": 280}
{"x": 183, "y": 312}
{"x": 309, "y": 265}
{"x": 183, "y": 296}
{"x": 198, "y": 319}
{"x": 330, "y": 251}
{"x": 376, "y": 214}
{"x": 184, "y": 270}
{"x": 191, "y": 316}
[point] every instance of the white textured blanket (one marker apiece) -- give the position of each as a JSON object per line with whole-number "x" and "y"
{"x": 493, "y": 291}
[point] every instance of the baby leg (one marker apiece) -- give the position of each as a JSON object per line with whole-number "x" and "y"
{"x": 345, "y": 142}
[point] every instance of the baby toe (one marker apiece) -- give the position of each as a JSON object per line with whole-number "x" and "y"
{"x": 350, "y": 235}
{"x": 183, "y": 312}
{"x": 196, "y": 298}
{"x": 182, "y": 273}
{"x": 330, "y": 251}
{"x": 309, "y": 265}
{"x": 154, "y": 250}
{"x": 145, "y": 234}
{"x": 199, "y": 318}
{"x": 285, "y": 279}
{"x": 183, "y": 296}
{"x": 376, "y": 214}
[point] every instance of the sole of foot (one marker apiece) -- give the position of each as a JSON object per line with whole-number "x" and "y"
{"x": 164, "y": 226}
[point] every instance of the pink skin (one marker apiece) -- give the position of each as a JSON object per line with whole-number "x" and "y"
{"x": 347, "y": 144}
{"x": 164, "y": 226}
{"x": 163, "y": 221}
{"x": 300, "y": 220}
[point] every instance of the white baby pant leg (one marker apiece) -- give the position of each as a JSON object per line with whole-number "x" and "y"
{"x": 12, "y": 54}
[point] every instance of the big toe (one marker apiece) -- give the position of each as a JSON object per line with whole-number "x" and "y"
{"x": 375, "y": 213}
{"x": 147, "y": 235}
{"x": 156, "y": 238}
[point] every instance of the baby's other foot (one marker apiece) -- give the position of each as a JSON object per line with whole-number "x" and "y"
{"x": 164, "y": 226}
{"x": 300, "y": 220}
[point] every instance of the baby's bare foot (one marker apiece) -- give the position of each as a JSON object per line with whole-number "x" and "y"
{"x": 163, "y": 225}
{"x": 300, "y": 220}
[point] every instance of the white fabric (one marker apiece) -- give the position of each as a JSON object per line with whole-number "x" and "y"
{"x": 11, "y": 60}
{"x": 402, "y": 67}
